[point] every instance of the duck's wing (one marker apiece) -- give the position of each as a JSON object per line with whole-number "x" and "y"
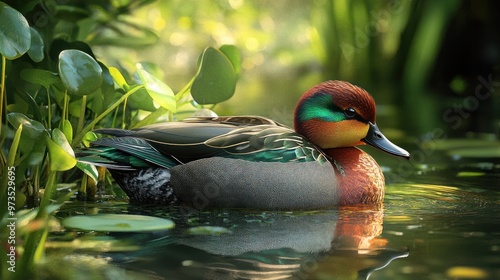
{"x": 246, "y": 137}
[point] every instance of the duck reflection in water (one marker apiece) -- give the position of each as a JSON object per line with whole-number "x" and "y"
{"x": 336, "y": 244}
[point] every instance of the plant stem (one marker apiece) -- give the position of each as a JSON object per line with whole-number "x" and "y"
{"x": 78, "y": 138}
{"x": 49, "y": 110}
{"x": 65, "y": 107}
{"x": 81, "y": 119}
{"x": 185, "y": 90}
{"x": 151, "y": 118}
{"x": 3, "y": 98}
{"x": 123, "y": 113}
{"x": 35, "y": 240}
{"x": 10, "y": 164}
{"x": 47, "y": 194}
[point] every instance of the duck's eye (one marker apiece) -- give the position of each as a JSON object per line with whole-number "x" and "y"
{"x": 350, "y": 113}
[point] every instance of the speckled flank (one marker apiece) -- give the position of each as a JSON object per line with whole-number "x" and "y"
{"x": 146, "y": 185}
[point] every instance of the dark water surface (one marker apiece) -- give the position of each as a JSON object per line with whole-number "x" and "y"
{"x": 441, "y": 222}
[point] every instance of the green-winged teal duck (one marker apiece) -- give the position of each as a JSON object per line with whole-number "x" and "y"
{"x": 254, "y": 162}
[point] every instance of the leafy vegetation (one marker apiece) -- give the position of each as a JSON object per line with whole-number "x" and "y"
{"x": 54, "y": 89}
{"x": 58, "y": 92}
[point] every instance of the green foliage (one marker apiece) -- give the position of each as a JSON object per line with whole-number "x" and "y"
{"x": 80, "y": 73}
{"x": 57, "y": 92}
{"x": 216, "y": 78}
{"x": 118, "y": 223}
{"x": 157, "y": 90}
{"x": 15, "y": 35}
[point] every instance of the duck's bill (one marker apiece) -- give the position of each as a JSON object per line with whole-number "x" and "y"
{"x": 376, "y": 139}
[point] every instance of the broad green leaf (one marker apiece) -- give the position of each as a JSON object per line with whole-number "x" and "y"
{"x": 107, "y": 85}
{"x": 74, "y": 108}
{"x": 216, "y": 79}
{"x": 117, "y": 223}
{"x": 15, "y": 35}
{"x": 60, "y": 139}
{"x": 32, "y": 128}
{"x": 233, "y": 54}
{"x": 38, "y": 111}
{"x": 36, "y": 49}
{"x": 67, "y": 129}
{"x": 142, "y": 100}
{"x": 118, "y": 78}
{"x": 89, "y": 137}
{"x": 152, "y": 68}
{"x": 80, "y": 73}
{"x": 40, "y": 77}
{"x": 96, "y": 102}
{"x": 37, "y": 153}
{"x": 88, "y": 169}
{"x": 159, "y": 91}
{"x": 60, "y": 152}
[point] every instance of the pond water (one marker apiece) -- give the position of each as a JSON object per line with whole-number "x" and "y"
{"x": 441, "y": 222}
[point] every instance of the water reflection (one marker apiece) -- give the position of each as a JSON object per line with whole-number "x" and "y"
{"x": 336, "y": 244}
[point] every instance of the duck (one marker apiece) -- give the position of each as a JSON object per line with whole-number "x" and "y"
{"x": 254, "y": 162}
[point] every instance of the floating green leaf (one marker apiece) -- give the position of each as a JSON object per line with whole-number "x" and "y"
{"x": 80, "y": 73}
{"x": 36, "y": 49}
{"x": 216, "y": 78}
{"x": 159, "y": 91}
{"x": 15, "y": 35}
{"x": 208, "y": 230}
{"x": 118, "y": 223}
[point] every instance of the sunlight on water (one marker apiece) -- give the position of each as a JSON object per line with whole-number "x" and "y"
{"x": 445, "y": 228}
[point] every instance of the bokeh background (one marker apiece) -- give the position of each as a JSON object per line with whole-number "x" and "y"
{"x": 429, "y": 64}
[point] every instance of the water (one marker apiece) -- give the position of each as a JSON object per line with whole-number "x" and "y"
{"x": 441, "y": 222}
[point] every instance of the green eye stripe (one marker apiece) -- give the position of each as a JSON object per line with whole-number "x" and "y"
{"x": 320, "y": 107}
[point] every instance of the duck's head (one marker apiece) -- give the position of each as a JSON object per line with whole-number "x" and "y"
{"x": 337, "y": 114}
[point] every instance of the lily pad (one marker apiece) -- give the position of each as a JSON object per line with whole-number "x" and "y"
{"x": 117, "y": 223}
{"x": 208, "y": 230}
